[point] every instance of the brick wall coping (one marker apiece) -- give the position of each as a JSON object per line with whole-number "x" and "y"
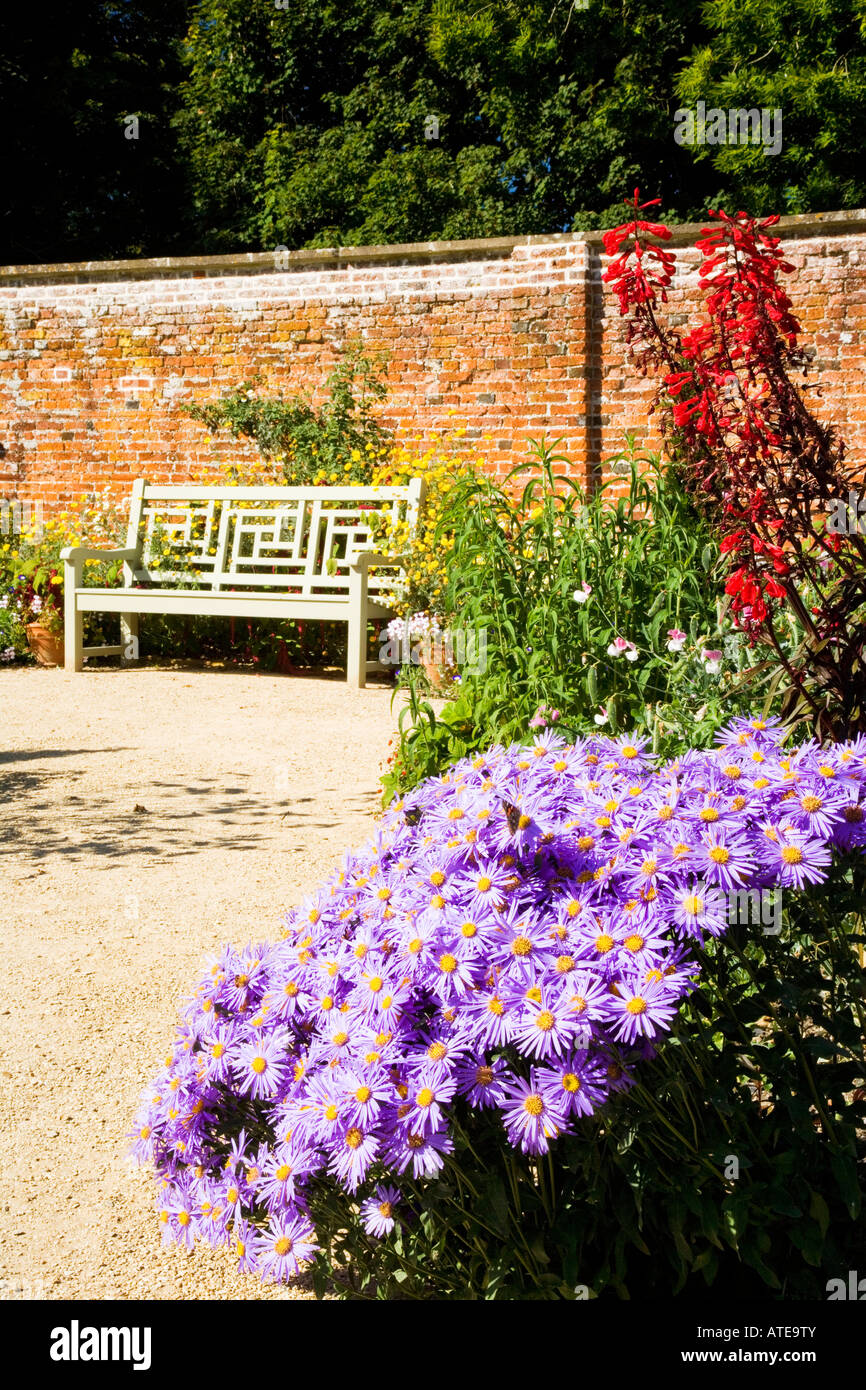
{"x": 346, "y": 257}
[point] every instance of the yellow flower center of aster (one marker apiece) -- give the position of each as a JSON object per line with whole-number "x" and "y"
{"x": 629, "y": 752}
{"x": 259, "y": 1065}
{"x": 436, "y": 1051}
{"x": 283, "y": 1172}
{"x": 437, "y": 877}
{"x": 792, "y": 855}
{"x": 144, "y": 1132}
{"x": 634, "y": 943}
{"x": 665, "y": 812}
{"x": 544, "y": 1020}
{"x": 811, "y": 803}
{"x": 415, "y": 1141}
{"x": 603, "y": 822}
{"x": 603, "y": 943}
{"x": 483, "y": 1076}
{"x": 484, "y": 884}
{"x": 385, "y": 1209}
{"x": 383, "y": 894}
{"x": 448, "y": 963}
{"x": 826, "y": 770}
{"x": 437, "y": 902}
{"x": 495, "y": 1006}
{"x": 331, "y": 1112}
{"x": 585, "y": 842}
{"x": 217, "y": 1050}
{"x": 456, "y": 813}
{"x": 578, "y": 1003}
{"x": 709, "y": 813}
{"x": 636, "y": 1005}
{"x": 719, "y": 854}
{"x": 570, "y": 1082}
{"x": 521, "y": 946}
{"x": 564, "y": 964}
{"x": 468, "y": 930}
{"x": 363, "y": 1093}
{"x": 375, "y": 983}
{"x": 693, "y": 905}
{"x": 560, "y": 765}
{"x": 425, "y": 1097}
{"x": 648, "y": 867}
{"x": 573, "y": 907}
{"x": 354, "y": 1138}
{"x": 534, "y": 1105}
{"x": 283, "y": 1246}
{"x": 183, "y": 1218}
{"x": 340, "y": 1039}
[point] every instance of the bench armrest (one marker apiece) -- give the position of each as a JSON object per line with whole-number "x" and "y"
{"x": 71, "y": 553}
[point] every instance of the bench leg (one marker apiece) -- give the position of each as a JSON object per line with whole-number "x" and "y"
{"x": 73, "y": 621}
{"x": 356, "y": 665}
{"x": 129, "y": 636}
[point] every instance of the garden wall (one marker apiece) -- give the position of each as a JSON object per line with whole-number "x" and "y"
{"x": 511, "y": 337}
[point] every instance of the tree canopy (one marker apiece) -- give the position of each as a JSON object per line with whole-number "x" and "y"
{"x": 314, "y": 123}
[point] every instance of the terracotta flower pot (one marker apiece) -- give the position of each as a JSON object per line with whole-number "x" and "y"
{"x": 46, "y": 646}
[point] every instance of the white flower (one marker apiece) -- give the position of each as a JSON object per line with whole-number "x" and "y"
{"x": 631, "y": 654}
{"x": 601, "y": 717}
{"x": 582, "y": 594}
{"x": 676, "y": 640}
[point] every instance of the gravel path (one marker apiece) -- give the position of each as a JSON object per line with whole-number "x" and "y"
{"x": 252, "y": 786}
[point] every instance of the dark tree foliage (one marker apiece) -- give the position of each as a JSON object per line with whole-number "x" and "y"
{"x": 74, "y": 187}
{"x": 317, "y": 122}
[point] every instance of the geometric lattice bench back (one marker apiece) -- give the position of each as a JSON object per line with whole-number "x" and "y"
{"x": 291, "y": 539}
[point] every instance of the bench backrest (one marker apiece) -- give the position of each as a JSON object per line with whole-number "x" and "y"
{"x": 301, "y": 539}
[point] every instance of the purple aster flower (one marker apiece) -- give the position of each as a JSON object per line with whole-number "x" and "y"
{"x": 423, "y": 1153}
{"x": 482, "y": 1083}
{"x": 641, "y": 1011}
{"x": 287, "y": 1243}
{"x": 377, "y": 1212}
{"x": 532, "y": 1118}
{"x": 795, "y": 860}
{"x": 262, "y": 1066}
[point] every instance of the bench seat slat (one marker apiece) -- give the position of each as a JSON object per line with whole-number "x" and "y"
{"x": 225, "y": 604}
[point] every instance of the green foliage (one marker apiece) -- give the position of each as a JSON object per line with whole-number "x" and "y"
{"x": 339, "y": 440}
{"x": 514, "y": 569}
{"x": 310, "y": 125}
{"x": 805, "y": 58}
{"x": 766, "y": 1067}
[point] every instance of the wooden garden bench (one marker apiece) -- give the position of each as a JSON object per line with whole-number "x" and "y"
{"x": 247, "y": 552}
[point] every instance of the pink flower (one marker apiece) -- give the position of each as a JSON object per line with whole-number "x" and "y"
{"x": 712, "y": 660}
{"x": 676, "y": 639}
{"x": 620, "y": 647}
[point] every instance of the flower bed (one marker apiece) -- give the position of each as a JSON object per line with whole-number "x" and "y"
{"x": 518, "y": 938}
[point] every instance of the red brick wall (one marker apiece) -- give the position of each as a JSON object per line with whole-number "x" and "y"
{"x": 511, "y": 338}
